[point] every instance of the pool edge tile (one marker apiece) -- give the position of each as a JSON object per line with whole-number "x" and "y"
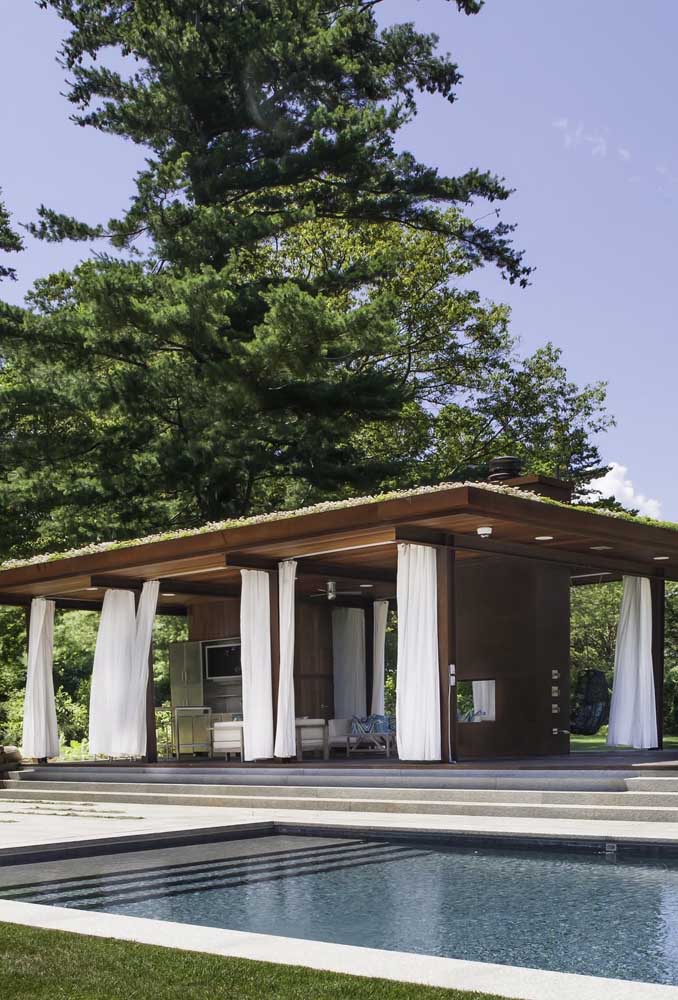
{"x": 512, "y": 981}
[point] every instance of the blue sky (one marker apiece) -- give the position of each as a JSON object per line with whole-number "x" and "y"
{"x": 572, "y": 102}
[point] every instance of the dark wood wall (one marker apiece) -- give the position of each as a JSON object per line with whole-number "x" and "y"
{"x": 512, "y": 623}
{"x": 313, "y": 681}
{"x": 513, "y": 627}
{"x": 216, "y": 620}
{"x": 313, "y": 678}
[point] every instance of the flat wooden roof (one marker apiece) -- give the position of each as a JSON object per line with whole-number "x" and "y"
{"x": 355, "y": 544}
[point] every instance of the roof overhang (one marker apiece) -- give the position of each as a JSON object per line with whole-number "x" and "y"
{"x": 356, "y": 543}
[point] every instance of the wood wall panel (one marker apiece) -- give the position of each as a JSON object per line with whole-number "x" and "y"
{"x": 512, "y": 619}
{"x": 215, "y": 620}
{"x": 313, "y": 679}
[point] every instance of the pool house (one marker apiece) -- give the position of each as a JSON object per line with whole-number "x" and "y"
{"x": 288, "y": 616}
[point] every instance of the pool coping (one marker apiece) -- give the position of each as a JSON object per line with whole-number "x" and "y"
{"x": 617, "y": 845}
{"x": 516, "y": 982}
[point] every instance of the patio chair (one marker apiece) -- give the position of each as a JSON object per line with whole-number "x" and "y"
{"x": 227, "y": 738}
{"x": 339, "y": 731}
{"x": 373, "y": 733}
{"x": 312, "y": 734}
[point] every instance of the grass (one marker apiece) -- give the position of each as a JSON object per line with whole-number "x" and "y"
{"x": 54, "y": 965}
{"x": 598, "y": 742}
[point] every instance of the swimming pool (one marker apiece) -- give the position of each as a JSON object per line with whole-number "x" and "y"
{"x": 587, "y": 914}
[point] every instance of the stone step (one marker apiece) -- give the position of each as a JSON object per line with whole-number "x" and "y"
{"x": 652, "y": 783}
{"x": 423, "y": 806}
{"x": 334, "y": 777}
{"x": 526, "y": 796}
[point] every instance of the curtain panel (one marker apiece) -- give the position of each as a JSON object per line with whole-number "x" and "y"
{"x": 133, "y": 711}
{"x": 285, "y": 732}
{"x": 348, "y": 658}
{"x": 40, "y": 735}
{"x": 633, "y": 713}
{"x": 378, "y": 656}
{"x": 255, "y": 639}
{"x": 418, "y": 683}
{"x": 111, "y": 673}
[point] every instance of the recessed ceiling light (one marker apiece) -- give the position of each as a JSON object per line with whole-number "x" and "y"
{"x": 168, "y": 593}
{"x": 367, "y": 586}
{"x": 601, "y": 548}
{"x": 92, "y": 588}
{"x": 660, "y": 558}
{"x": 543, "y": 538}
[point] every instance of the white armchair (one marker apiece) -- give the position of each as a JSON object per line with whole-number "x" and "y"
{"x": 339, "y": 730}
{"x": 311, "y": 735}
{"x": 227, "y": 738}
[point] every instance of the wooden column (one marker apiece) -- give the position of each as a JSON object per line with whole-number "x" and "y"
{"x": 446, "y": 651}
{"x": 369, "y": 653}
{"x": 658, "y": 587}
{"x": 275, "y": 643}
{"x": 151, "y": 737}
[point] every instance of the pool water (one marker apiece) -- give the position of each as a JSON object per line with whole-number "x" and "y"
{"x": 585, "y": 914}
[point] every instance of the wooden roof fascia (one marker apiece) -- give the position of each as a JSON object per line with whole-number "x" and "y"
{"x": 570, "y": 518}
{"x": 315, "y": 524}
{"x": 74, "y": 566}
{"x": 376, "y": 514}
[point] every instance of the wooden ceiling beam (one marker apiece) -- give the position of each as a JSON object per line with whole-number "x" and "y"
{"x": 312, "y": 567}
{"x": 367, "y": 574}
{"x": 76, "y": 604}
{"x": 593, "y": 579}
{"x": 168, "y": 585}
{"x": 243, "y": 560}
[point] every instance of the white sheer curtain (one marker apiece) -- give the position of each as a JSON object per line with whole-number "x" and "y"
{"x": 348, "y": 656}
{"x": 255, "y": 639}
{"x": 417, "y": 692}
{"x": 483, "y": 701}
{"x": 633, "y": 718}
{"x": 380, "y": 612}
{"x": 130, "y": 737}
{"x": 285, "y": 732}
{"x": 111, "y": 674}
{"x": 40, "y": 734}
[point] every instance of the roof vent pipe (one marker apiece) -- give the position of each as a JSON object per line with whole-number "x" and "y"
{"x": 504, "y": 467}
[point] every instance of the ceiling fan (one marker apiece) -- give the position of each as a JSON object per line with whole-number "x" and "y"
{"x": 330, "y": 592}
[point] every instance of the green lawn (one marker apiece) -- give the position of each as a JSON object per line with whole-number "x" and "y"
{"x": 597, "y": 742}
{"x": 53, "y": 965}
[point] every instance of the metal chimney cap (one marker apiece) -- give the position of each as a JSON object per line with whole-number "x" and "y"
{"x": 504, "y": 467}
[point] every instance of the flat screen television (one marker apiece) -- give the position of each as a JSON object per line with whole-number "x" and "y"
{"x": 222, "y": 660}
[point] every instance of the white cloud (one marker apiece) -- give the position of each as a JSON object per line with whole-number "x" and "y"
{"x": 616, "y": 483}
{"x": 599, "y": 145}
{"x": 579, "y": 136}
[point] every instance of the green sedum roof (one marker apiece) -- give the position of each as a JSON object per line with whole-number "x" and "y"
{"x": 281, "y": 515}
